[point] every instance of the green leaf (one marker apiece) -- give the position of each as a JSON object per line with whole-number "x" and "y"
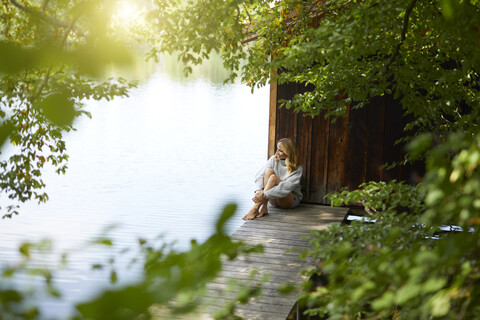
{"x": 5, "y": 130}
{"x": 384, "y": 302}
{"x": 407, "y": 292}
{"x": 25, "y": 249}
{"x": 286, "y": 289}
{"x": 58, "y": 108}
{"x": 433, "y": 284}
{"x": 440, "y": 304}
{"x": 14, "y": 58}
{"x": 419, "y": 145}
{"x": 104, "y": 241}
{"x": 113, "y": 277}
{"x": 228, "y": 212}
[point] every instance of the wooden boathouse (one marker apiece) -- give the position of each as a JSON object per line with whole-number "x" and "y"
{"x": 345, "y": 153}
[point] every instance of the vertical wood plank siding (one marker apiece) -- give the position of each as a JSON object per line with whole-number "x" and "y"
{"x": 345, "y": 153}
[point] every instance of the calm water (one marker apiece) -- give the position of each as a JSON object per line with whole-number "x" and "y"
{"x": 163, "y": 161}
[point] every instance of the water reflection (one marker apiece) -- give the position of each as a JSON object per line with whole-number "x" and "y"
{"x": 163, "y": 161}
{"x": 210, "y": 70}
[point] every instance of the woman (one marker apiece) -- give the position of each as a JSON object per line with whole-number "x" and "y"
{"x": 278, "y": 182}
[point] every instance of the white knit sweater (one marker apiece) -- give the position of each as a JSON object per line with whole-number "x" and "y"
{"x": 290, "y": 182}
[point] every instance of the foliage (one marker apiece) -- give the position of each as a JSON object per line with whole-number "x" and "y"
{"x": 453, "y": 182}
{"x": 381, "y": 197}
{"x": 425, "y": 53}
{"x": 172, "y": 282}
{"x": 51, "y": 57}
{"x": 394, "y": 269}
{"x": 14, "y": 303}
{"x": 405, "y": 266}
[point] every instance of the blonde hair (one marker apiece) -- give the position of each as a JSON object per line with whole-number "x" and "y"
{"x": 289, "y": 147}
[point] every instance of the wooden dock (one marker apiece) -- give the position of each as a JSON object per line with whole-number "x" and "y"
{"x": 279, "y": 231}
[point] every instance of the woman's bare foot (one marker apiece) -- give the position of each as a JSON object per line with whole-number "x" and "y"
{"x": 252, "y": 214}
{"x": 263, "y": 210}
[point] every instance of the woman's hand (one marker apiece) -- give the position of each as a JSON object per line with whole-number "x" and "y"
{"x": 259, "y": 196}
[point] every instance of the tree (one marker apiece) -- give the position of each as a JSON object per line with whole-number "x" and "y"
{"x": 51, "y": 58}
{"x": 424, "y": 53}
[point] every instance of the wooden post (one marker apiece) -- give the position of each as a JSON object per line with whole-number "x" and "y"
{"x": 272, "y": 119}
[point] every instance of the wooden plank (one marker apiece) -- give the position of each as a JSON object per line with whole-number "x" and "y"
{"x": 285, "y": 219}
{"x": 277, "y": 232}
{"x": 250, "y": 283}
{"x": 306, "y": 212}
{"x": 318, "y": 160}
{"x": 245, "y": 272}
{"x": 284, "y": 226}
{"x": 263, "y": 240}
{"x": 276, "y": 277}
{"x": 356, "y": 156}
{"x": 250, "y": 315}
{"x": 270, "y": 234}
{"x": 336, "y": 154}
{"x": 304, "y": 143}
{"x": 289, "y": 253}
{"x": 272, "y": 260}
{"x": 272, "y": 229}
{"x": 285, "y": 245}
{"x": 275, "y": 299}
{"x": 286, "y": 123}
{"x": 269, "y": 307}
{"x": 393, "y": 131}
{"x": 265, "y": 291}
{"x": 375, "y": 136}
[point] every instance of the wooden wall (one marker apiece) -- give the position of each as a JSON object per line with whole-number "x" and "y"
{"x": 341, "y": 154}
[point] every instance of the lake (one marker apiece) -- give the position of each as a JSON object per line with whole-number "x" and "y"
{"x": 162, "y": 162}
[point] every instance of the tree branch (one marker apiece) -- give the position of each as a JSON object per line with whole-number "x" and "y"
{"x": 38, "y": 13}
{"x": 396, "y": 51}
{"x": 44, "y": 82}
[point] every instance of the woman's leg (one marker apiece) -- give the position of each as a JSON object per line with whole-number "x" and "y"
{"x": 272, "y": 181}
{"x": 268, "y": 176}
{"x": 255, "y": 211}
{"x": 263, "y": 209}
{"x": 286, "y": 202}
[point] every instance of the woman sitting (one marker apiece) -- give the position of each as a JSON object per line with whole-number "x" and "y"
{"x": 278, "y": 182}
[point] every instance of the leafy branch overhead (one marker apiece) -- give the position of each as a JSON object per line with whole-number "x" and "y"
{"x": 52, "y": 57}
{"x": 347, "y": 51}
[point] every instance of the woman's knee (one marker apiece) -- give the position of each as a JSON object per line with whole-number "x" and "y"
{"x": 274, "y": 179}
{"x": 269, "y": 172}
